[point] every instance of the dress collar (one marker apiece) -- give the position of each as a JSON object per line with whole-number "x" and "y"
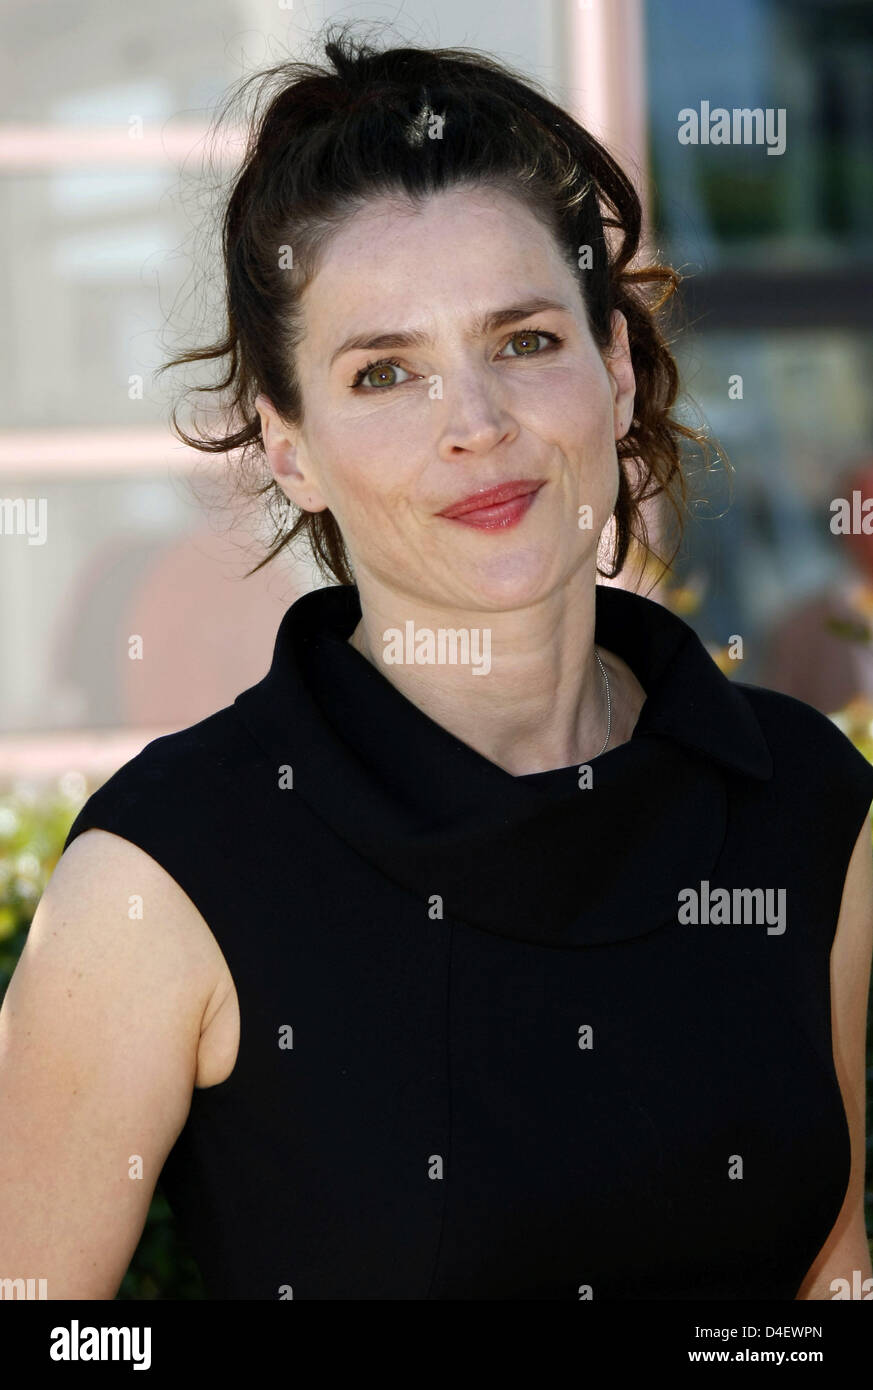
{"x": 535, "y": 858}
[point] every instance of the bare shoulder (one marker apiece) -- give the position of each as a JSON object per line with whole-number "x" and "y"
{"x": 843, "y": 1264}
{"x": 175, "y": 930}
{"x": 856, "y": 909}
{"x": 100, "y": 1032}
{"x": 105, "y": 881}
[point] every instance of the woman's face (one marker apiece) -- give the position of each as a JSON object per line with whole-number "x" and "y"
{"x": 469, "y": 404}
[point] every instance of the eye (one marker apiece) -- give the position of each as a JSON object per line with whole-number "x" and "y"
{"x": 387, "y": 367}
{"x": 529, "y": 335}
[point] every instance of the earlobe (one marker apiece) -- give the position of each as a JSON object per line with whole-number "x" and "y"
{"x": 297, "y": 487}
{"x": 280, "y": 447}
{"x": 284, "y": 461}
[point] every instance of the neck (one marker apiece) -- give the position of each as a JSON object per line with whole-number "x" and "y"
{"x": 539, "y": 702}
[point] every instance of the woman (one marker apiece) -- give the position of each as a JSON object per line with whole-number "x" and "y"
{"x": 482, "y": 949}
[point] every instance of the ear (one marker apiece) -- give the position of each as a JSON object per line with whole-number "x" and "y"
{"x": 621, "y": 375}
{"x": 287, "y": 459}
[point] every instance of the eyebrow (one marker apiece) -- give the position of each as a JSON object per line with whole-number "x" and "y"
{"x": 482, "y": 324}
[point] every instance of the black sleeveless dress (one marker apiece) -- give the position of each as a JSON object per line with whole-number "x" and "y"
{"x": 501, "y": 1037}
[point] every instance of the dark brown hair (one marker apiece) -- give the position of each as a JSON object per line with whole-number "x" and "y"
{"x": 321, "y": 143}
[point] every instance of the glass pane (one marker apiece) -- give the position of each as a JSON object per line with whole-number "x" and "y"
{"x": 803, "y": 198}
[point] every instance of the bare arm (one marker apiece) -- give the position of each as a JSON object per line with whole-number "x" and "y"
{"x": 846, "y": 1248}
{"x": 99, "y": 1034}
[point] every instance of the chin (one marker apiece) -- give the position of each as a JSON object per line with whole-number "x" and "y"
{"x": 512, "y": 580}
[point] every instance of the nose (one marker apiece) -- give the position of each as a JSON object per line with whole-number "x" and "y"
{"x": 474, "y": 417}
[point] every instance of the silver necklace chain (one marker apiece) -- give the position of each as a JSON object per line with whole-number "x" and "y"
{"x": 608, "y": 702}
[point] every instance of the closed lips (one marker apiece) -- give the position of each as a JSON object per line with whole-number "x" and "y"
{"x": 493, "y": 497}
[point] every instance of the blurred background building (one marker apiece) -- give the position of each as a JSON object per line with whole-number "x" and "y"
{"x": 104, "y": 113}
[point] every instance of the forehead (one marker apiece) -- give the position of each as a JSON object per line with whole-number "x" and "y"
{"x": 460, "y": 247}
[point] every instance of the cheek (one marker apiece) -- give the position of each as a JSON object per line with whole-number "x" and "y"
{"x": 575, "y": 411}
{"x": 364, "y": 473}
